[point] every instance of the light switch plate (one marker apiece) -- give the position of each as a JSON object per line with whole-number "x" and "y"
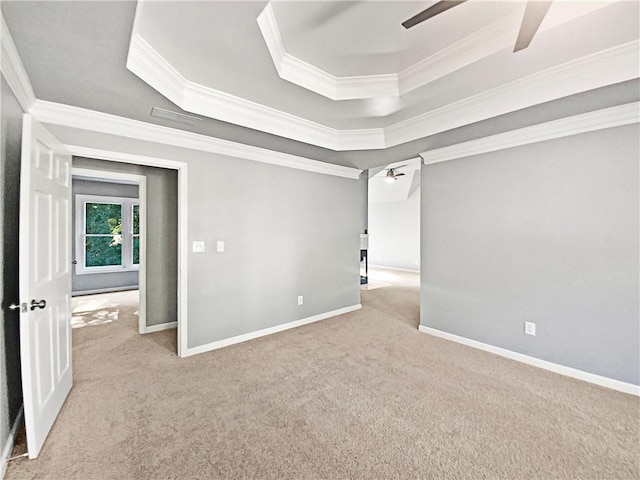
{"x": 220, "y": 246}
{"x": 198, "y": 246}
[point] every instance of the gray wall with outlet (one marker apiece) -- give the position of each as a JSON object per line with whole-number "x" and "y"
{"x": 545, "y": 233}
{"x": 286, "y": 233}
{"x": 162, "y": 237}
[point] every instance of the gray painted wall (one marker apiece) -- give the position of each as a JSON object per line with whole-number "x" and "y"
{"x": 10, "y": 148}
{"x": 287, "y": 232}
{"x": 162, "y": 237}
{"x": 394, "y": 233}
{"x": 546, "y": 233}
{"x": 100, "y": 281}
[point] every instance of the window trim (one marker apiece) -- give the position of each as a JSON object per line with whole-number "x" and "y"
{"x": 126, "y": 209}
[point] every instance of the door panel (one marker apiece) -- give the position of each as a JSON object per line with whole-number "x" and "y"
{"x": 45, "y": 275}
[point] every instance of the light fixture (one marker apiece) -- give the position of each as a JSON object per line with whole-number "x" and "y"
{"x": 390, "y": 177}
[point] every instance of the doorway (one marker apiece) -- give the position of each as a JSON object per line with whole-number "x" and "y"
{"x": 108, "y": 243}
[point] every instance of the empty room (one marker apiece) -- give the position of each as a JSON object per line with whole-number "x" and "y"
{"x": 329, "y": 239}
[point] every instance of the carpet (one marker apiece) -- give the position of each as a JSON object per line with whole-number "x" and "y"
{"x": 359, "y": 396}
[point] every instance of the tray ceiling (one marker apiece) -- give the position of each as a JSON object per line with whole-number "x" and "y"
{"x": 348, "y": 76}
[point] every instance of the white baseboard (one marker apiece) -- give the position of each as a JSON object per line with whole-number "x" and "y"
{"x": 104, "y": 290}
{"x": 159, "y": 327}
{"x": 394, "y": 268}
{"x": 11, "y": 441}
{"x": 268, "y": 331}
{"x": 536, "y": 362}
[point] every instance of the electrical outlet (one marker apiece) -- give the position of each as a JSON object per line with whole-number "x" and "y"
{"x": 530, "y": 328}
{"x": 198, "y": 246}
{"x": 300, "y": 300}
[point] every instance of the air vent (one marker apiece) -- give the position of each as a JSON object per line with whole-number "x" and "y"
{"x": 174, "y": 116}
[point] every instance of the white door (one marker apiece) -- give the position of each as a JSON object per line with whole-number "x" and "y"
{"x": 45, "y": 280}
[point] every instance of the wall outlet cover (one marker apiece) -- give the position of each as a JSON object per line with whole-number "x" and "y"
{"x": 198, "y": 246}
{"x": 530, "y": 328}
{"x": 300, "y": 300}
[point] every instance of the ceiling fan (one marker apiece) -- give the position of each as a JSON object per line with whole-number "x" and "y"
{"x": 392, "y": 175}
{"x": 533, "y": 16}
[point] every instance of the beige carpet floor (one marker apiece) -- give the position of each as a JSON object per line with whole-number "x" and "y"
{"x": 359, "y": 396}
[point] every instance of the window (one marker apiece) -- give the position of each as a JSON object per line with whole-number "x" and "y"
{"x": 107, "y": 234}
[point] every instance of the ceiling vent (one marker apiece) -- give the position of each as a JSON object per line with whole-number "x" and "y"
{"x": 174, "y": 116}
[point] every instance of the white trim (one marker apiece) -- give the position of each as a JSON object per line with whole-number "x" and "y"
{"x": 586, "y": 122}
{"x": 107, "y": 175}
{"x": 603, "y": 68}
{"x": 536, "y": 362}
{"x": 268, "y": 331}
{"x": 11, "y": 441}
{"x": 606, "y": 67}
{"x": 394, "y": 268}
{"x": 315, "y": 79}
{"x": 183, "y": 211}
{"x": 66, "y": 115}
{"x": 125, "y": 288}
{"x": 13, "y": 69}
{"x": 126, "y": 260}
{"x": 160, "y": 327}
{"x": 476, "y": 46}
{"x": 144, "y": 61}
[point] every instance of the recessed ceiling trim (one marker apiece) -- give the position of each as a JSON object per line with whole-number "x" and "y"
{"x": 144, "y": 61}
{"x": 470, "y": 49}
{"x": 13, "y": 69}
{"x": 480, "y": 44}
{"x": 607, "y": 67}
{"x": 315, "y": 79}
{"x": 83, "y": 119}
{"x": 586, "y": 122}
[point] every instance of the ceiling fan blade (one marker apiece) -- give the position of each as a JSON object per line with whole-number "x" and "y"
{"x": 533, "y": 16}
{"x": 400, "y": 174}
{"x": 432, "y": 11}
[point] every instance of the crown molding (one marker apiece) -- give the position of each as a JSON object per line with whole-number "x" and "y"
{"x": 596, "y": 70}
{"x": 586, "y": 122}
{"x": 13, "y": 69}
{"x": 313, "y": 78}
{"x": 474, "y": 47}
{"x": 144, "y": 61}
{"x": 464, "y": 52}
{"x": 83, "y": 119}
{"x": 607, "y": 67}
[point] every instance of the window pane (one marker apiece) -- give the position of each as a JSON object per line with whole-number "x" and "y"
{"x": 136, "y": 219}
{"x": 104, "y": 218}
{"x": 103, "y": 251}
{"x": 136, "y": 250}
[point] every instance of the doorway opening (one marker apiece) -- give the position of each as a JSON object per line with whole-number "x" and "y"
{"x": 109, "y": 251}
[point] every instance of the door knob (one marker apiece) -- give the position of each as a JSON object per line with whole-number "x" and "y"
{"x": 21, "y": 306}
{"x": 35, "y": 304}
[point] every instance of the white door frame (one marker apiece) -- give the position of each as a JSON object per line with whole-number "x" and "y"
{"x": 141, "y": 182}
{"x": 181, "y": 168}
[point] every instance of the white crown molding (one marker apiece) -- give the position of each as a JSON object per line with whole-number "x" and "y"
{"x": 150, "y": 66}
{"x": 586, "y": 122}
{"x": 456, "y": 56}
{"x": 607, "y": 67}
{"x": 13, "y": 69}
{"x": 602, "y": 68}
{"x": 313, "y": 78}
{"x": 83, "y": 119}
{"x": 470, "y": 49}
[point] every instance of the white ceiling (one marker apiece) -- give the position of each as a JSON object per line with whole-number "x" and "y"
{"x": 348, "y": 76}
